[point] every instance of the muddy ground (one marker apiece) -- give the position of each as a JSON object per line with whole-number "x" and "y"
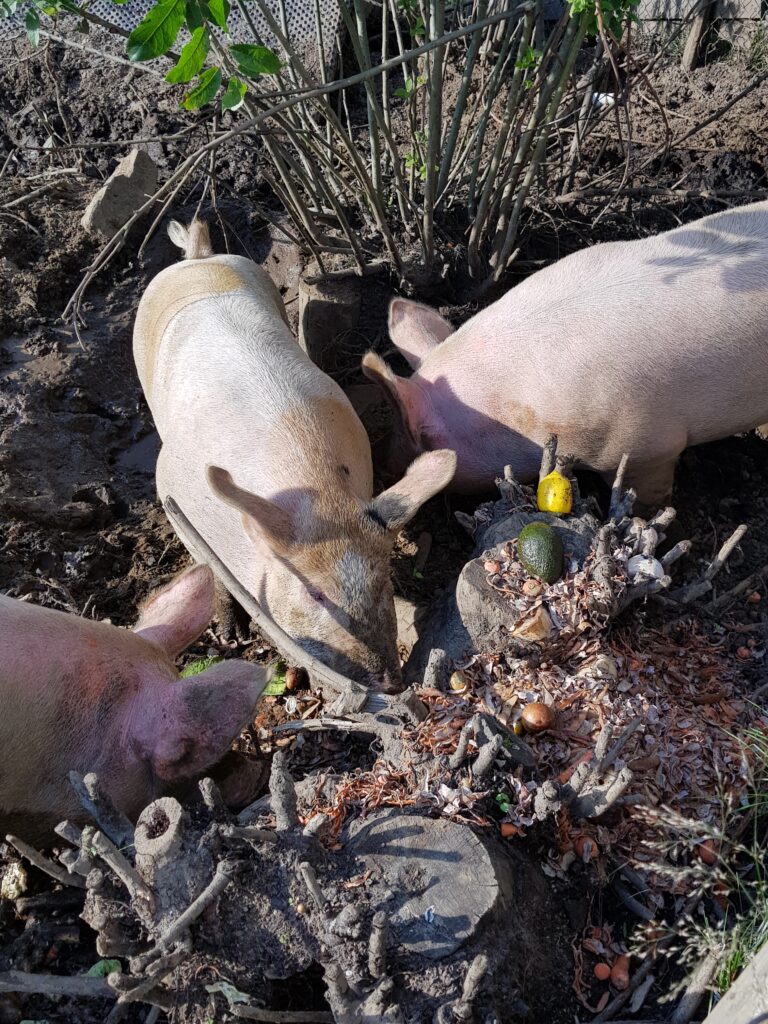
{"x": 81, "y": 525}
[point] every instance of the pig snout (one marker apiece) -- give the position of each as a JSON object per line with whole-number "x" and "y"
{"x": 323, "y": 568}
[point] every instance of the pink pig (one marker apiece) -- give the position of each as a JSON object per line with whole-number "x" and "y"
{"x": 643, "y": 347}
{"x": 90, "y": 697}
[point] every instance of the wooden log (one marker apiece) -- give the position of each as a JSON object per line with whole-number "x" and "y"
{"x": 747, "y": 999}
{"x": 696, "y": 33}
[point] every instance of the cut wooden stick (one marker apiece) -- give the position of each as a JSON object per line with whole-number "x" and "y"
{"x": 225, "y": 872}
{"x": 617, "y": 490}
{"x": 55, "y": 985}
{"x": 312, "y": 884}
{"x": 282, "y": 1016}
{"x": 283, "y": 793}
{"x": 697, "y": 987}
{"x": 125, "y": 871}
{"x": 703, "y": 585}
{"x": 41, "y": 862}
{"x": 112, "y": 822}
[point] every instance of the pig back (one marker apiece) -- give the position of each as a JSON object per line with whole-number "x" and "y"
{"x": 625, "y": 345}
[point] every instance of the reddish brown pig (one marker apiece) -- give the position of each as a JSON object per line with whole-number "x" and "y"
{"x": 90, "y": 697}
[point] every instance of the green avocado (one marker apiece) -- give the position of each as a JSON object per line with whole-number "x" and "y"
{"x": 540, "y": 551}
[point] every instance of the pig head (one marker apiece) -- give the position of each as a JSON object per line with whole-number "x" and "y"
{"x": 643, "y": 347}
{"x": 85, "y": 696}
{"x": 269, "y": 462}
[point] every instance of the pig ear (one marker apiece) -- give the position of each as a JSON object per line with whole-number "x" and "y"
{"x": 407, "y": 399}
{"x": 425, "y": 476}
{"x": 263, "y": 519}
{"x": 416, "y": 329}
{"x": 201, "y": 717}
{"x": 176, "y": 615}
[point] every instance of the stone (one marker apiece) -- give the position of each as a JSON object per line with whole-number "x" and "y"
{"x": 131, "y": 183}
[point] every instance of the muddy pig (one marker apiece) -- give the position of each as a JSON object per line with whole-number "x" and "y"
{"x": 85, "y": 696}
{"x": 268, "y": 460}
{"x": 642, "y": 347}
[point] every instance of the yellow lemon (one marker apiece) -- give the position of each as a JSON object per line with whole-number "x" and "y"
{"x": 555, "y": 495}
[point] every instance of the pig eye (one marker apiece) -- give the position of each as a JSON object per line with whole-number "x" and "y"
{"x": 316, "y": 595}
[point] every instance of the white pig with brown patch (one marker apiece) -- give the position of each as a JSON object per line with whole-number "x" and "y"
{"x": 643, "y": 347}
{"x": 267, "y": 459}
{"x": 86, "y": 696}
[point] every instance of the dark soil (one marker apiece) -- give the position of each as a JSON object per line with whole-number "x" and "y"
{"x": 81, "y": 525}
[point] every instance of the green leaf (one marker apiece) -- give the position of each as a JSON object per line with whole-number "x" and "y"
{"x": 231, "y": 994}
{"x": 255, "y": 60}
{"x": 32, "y": 22}
{"x": 102, "y": 968}
{"x": 157, "y": 31}
{"x": 192, "y": 57}
{"x": 234, "y": 95}
{"x": 194, "y": 668}
{"x": 276, "y": 686}
{"x": 193, "y": 15}
{"x": 218, "y": 11}
{"x": 204, "y": 91}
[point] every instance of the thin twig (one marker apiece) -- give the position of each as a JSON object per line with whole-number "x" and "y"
{"x": 225, "y": 872}
{"x": 282, "y": 1016}
{"x": 55, "y": 985}
{"x": 312, "y": 884}
{"x": 697, "y": 987}
{"x": 41, "y": 862}
{"x": 377, "y": 945}
{"x": 125, "y": 871}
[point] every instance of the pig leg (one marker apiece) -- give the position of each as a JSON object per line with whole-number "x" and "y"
{"x": 652, "y": 483}
{"x": 762, "y": 431}
{"x": 234, "y": 622}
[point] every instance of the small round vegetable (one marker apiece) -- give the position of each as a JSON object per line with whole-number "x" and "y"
{"x": 554, "y": 494}
{"x": 754, "y": 597}
{"x": 707, "y": 851}
{"x": 620, "y": 973}
{"x": 508, "y": 830}
{"x": 458, "y": 681}
{"x": 300, "y": 908}
{"x": 743, "y": 653}
{"x": 296, "y": 678}
{"x": 532, "y": 588}
{"x": 585, "y": 848}
{"x": 540, "y": 551}
{"x": 602, "y": 972}
{"x": 537, "y": 717}
{"x": 490, "y": 566}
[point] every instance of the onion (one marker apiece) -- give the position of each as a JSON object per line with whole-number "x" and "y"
{"x": 537, "y": 717}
